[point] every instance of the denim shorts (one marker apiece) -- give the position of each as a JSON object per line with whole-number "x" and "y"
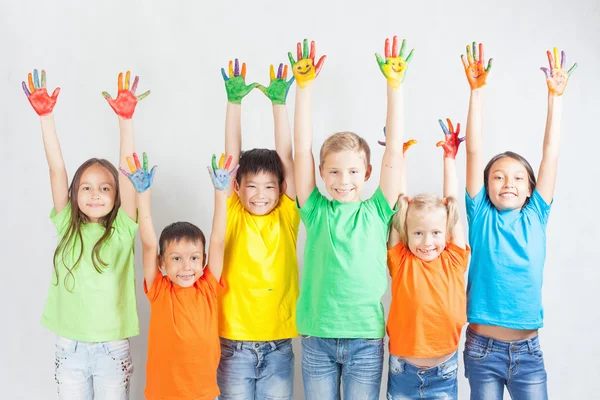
{"x": 100, "y": 371}
{"x": 491, "y": 365}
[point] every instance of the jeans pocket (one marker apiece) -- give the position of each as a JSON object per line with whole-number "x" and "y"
{"x": 475, "y": 352}
{"x": 537, "y": 354}
{"x": 449, "y": 370}
{"x": 375, "y": 342}
{"x": 64, "y": 345}
{"x": 396, "y": 366}
{"x": 227, "y": 351}
{"x": 284, "y": 346}
{"x": 117, "y": 348}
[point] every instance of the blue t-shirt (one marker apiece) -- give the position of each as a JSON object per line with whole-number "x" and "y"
{"x": 508, "y": 250}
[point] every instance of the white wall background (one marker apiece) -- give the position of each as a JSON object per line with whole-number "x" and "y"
{"x": 178, "y": 47}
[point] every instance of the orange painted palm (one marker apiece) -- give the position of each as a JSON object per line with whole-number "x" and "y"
{"x": 556, "y": 76}
{"x": 474, "y": 66}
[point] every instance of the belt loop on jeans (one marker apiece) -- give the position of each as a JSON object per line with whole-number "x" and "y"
{"x": 238, "y": 345}
{"x": 490, "y": 344}
{"x": 530, "y": 345}
{"x": 273, "y": 345}
{"x": 75, "y": 344}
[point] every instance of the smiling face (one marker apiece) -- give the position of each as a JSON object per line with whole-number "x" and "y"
{"x": 304, "y": 71}
{"x": 345, "y": 174}
{"x": 96, "y": 192}
{"x": 259, "y": 193}
{"x": 183, "y": 261}
{"x": 508, "y": 184}
{"x": 426, "y": 232}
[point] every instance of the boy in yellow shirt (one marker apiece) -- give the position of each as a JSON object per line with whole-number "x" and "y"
{"x": 257, "y": 308}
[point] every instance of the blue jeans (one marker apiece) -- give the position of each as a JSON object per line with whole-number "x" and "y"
{"x": 407, "y": 381}
{"x": 492, "y": 364}
{"x": 256, "y": 370}
{"x": 357, "y": 363}
{"x": 85, "y": 371}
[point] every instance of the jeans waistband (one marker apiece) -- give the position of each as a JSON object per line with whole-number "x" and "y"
{"x": 526, "y": 345}
{"x": 259, "y": 345}
{"x": 428, "y": 371}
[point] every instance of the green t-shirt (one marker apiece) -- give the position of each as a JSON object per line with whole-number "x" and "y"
{"x": 94, "y": 307}
{"x": 344, "y": 274}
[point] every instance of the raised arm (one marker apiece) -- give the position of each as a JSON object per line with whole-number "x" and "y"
{"x": 556, "y": 79}
{"x": 236, "y": 88}
{"x": 277, "y": 92}
{"x": 476, "y": 75}
{"x": 43, "y": 104}
{"x": 394, "y": 69}
{"x": 124, "y": 106}
{"x": 305, "y": 71}
{"x": 141, "y": 180}
{"x": 221, "y": 177}
{"x": 450, "y": 146}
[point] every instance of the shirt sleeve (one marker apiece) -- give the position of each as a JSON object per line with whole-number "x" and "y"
{"x": 396, "y": 257}
{"x": 457, "y": 257}
{"x": 209, "y": 281}
{"x": 157, "y": 286}
{"x": 384, "y": 210}
{"x": 476, "y": 204}
{"x": 61, "y": 219}
{"x": 539, "y": 205}
{"x": 290, "y": 212}
{"x": 125, "y": 224}
{"x": 310, "y": 211}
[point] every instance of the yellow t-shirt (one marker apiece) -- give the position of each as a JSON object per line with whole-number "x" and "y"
{"x": 260, "y": 273}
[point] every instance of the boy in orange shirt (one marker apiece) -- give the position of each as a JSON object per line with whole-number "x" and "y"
{"x": 427, "y": 259}
{"x": 183, "y": 338}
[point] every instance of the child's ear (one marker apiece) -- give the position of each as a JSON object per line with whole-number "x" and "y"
{"x": 282, "y": 187}
{"x": 236, "y": 187}
{"x": 161, "y": 263}
{"x": 368, "y": 173}
{"x": 204, "y": 260}
{"x": 321, "y": 171}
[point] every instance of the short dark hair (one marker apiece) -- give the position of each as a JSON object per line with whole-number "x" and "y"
{"x": 260, "y": 160}
{"x": 516, "y": 157}
{"x": 181, "y": 230}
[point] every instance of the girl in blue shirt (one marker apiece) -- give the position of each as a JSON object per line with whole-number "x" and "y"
{"x": 507, "y": 210}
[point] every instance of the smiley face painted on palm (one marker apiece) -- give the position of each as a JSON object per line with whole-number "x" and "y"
{"x": 304, "y": 71}
{"x": 141, "y": 180}
{"x": 394, "y": 68}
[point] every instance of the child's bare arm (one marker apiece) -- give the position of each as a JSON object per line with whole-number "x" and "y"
{"x": 556, "y": 79}
{"x": 140, "y": 180}
{"x": 124, "y": 106}
{"x": 477, "y": 76}
{"x": 305, "y": 71}
{"x": 394, "y": 69}
{"x": 277, "y": 92}
{"x": 236, "y": 88}
{"x": 450, "y": 146}
{"x": 221, "y": 175}
{"x": 43, "y": 104}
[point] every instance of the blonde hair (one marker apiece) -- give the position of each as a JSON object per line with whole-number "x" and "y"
{"x": 342, "y": 141}
{"x": 425, "y": 202}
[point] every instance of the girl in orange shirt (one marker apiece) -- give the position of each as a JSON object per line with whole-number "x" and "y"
{"x": 427, "y": 259}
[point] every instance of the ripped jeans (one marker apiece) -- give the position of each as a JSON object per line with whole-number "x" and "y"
{"x": 86, "y": 371}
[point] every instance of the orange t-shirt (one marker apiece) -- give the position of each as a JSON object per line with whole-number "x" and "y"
{"x": 183, "y": 340}
{"x": 428, "y": 307}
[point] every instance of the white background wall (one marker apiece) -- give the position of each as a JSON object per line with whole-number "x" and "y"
{"x": 177, "y": 48}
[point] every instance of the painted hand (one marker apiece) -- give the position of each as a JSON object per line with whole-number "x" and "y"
{"x": 278, "y": 87}
{"x": 139, "y": 176}
{"x": 304, "y": 69}
{"x": 476, "y": 73}
{"x": 450, "y": 145}
{"x": 395, "y": 65}
{"x": 235, "y": 83}
{"x": 556, "y": 76}
{"x": 221, "y": 176}
{"x": 124, "y": 104}
{"x": 406, "y": 145}
{"x": 37, "y": 94}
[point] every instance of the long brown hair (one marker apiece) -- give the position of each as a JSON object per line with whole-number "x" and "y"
{"x": 73, "y": 232}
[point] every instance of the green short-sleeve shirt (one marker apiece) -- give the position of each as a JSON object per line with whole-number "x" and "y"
{"x": 344, "y": 274}
{"x": 87, "y": 305}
